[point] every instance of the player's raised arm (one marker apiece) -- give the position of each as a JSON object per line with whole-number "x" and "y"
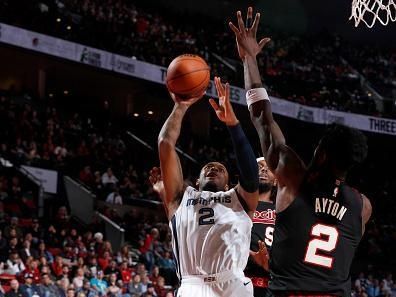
{"x": 246, "y": 161}
{"x": 171, "y": 169}
{"x": 272, "y": 140}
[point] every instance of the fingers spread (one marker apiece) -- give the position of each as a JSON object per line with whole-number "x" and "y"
{"x": 263, "y": 42}
{"x": 241, "y": 25}
{"x": 256, "y": 23}
{"x": 233, "y": 28}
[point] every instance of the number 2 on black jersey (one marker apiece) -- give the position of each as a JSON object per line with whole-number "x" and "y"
{"x": 319, "y": 243}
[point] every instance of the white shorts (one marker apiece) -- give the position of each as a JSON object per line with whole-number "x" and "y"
{"x": 224, "y": 284}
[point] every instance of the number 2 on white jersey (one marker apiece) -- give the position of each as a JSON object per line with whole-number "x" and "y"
{"x": 325, "y": 244}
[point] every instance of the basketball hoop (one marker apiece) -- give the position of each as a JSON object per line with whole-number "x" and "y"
{"x": 369, "y": 11}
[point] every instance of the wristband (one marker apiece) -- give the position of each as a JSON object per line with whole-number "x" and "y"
{"x": 255, "y": 95}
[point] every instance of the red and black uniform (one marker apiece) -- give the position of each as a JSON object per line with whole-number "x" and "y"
{"x": 263, "y": 229}
{"x": 315, "y": 241}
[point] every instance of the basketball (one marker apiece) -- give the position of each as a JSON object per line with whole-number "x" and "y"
{"x": 188, "y": 75}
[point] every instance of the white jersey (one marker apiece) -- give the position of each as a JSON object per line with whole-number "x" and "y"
{"x": 210, "y": 233}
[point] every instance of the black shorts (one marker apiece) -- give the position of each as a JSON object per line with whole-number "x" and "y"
{"x": 262, "y": 292}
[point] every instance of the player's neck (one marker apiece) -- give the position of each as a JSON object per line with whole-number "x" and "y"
{"x": 265, "y": 197}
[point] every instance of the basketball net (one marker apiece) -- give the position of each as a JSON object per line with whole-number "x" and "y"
{"x": 369, "y": 11}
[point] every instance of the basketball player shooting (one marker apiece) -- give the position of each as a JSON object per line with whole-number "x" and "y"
{"x": 320, "y": 219}
{"x": 210, "y": 226}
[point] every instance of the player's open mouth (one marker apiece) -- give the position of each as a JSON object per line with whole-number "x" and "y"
{"x": 211, "y": 174}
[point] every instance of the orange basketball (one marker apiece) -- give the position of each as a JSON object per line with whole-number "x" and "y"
{"x": 188, "y": 75}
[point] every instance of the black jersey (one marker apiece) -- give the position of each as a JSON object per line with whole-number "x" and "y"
{"x": 263, "y": 229}
{"x": 315, "y": 239}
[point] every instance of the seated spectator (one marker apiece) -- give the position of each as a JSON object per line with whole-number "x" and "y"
{"x": 27, "y": 251}
{"x": 87, "y": 290}
{"x": 87, "y": 177}
{"x": 166, "y": 262}
{"x": 37, "y": 231}
{"x": 15, "y": 263}
{"x": 32, "y": 269}
{"x": 135, "y": 287}
{"x": 29, "y": 289}
{"x": 112, "y": 269}
{"x": 151, "y": 290}
{"x": 57, "y": 266}
{"x": 155, "y": 275}
{"x": 98, "y": 284}
{"x": 70, "y": 292}
{"x": 8, "y": 230}
{"x": 114, "y": 197}
{"x": 126, "y": 272}
{"x": 113, "y": 288}
{"x": 47, "y": 287}
{"x": 15, "y": 290}
{"x": 78, "y": 280}
{"x": 104, "y": 260}
{"x": 108, "y": 178}
{"x": 160, "y": 287}
{"x": 43, "y": 252}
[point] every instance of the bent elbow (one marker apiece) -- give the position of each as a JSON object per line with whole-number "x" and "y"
{"x": 165, "y": 144}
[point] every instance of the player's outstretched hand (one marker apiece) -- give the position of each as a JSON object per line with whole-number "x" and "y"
{"x": 224, "y": 110}
{"x": 246, "y": 35}
{"x": 155, "y": 179}
{"x": 261, "y": 257}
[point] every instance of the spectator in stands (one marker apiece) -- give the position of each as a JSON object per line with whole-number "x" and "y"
{"x": 145, "y": 281}
{"x": 148, "y": 248}
{"x": 87, "y": 290}
{"x": 108, "y": 178}
{"x": 15, "y": 290}
{"x": 43, "y": 252}
{"x": 87, "y": 177}
{"x": 166, "y": 262}
{"x": 47, "y": 287}
{"x": 135, "y": 287}
{"x": 70, "y": 292}
{"x": 126, "y": 272}
{"x": 13, "y": 227}
{"x": 15, "y": 264}
{"x": 387, "y": 284}
{"x": 151, "y": 290}
{"x": 93, "y": 266}
{"x": 114, "y": 197}
{"x": 32, "y": 269}
{"x": 104, "y": 260}
{"x": 57, "y": 266}
{"x": 62, "y": 219}
{"x": 78, "y": 280}
{"x": 160, "y": 287}
{"x": 37, "y": 232}
{"x": 29, "y": 289}
{"x": 98, "y": 284}
{"x": 112, "y": 269}
{"x": 155, "y": 274}
{"x": 27, "y": 251}
{"x": 373, "y": 289}
{"x": 113, "y": 289}
{"x": 124, "y": 255}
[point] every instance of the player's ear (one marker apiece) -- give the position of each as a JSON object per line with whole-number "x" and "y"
{"x": 226, "y": 187}
{"x": 197, "y": 183}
